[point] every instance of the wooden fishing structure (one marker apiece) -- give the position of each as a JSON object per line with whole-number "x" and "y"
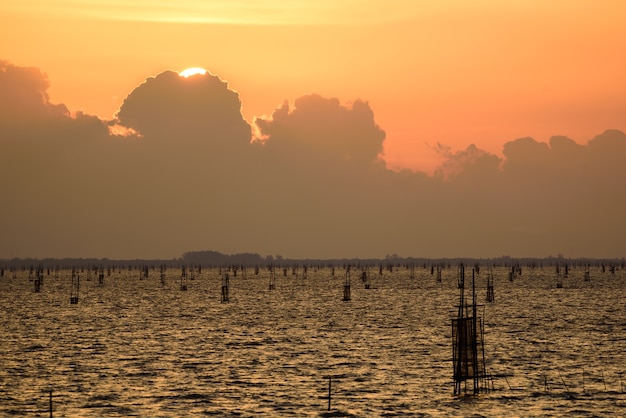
{"x": 101, "y": 275}
{"x": 183, "y": 279}
{"x": 365, "y": 278}
{"x": 225, "y": 288}
{"x": 272, "y": 279}
{"x": 75, "y": 287}
{"x": 162, "y": 274}
{"x": 559, "y": 277}
{"x": 38, "y": 280}
{"x": 490, "y": 293}
{"x": 468, "y": 350}
{"x": 347, "y": 297}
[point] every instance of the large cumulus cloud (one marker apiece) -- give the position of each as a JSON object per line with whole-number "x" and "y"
{"x": 186, "y": 109}
{"x": 314, "y": 185}
{"x": 319, "y": 127}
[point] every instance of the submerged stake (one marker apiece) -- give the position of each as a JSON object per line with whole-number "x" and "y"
{"x": 329, "y": 386}
{"x": 566, "y": 388}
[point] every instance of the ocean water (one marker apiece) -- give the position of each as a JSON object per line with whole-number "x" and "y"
{"x": 139, "y": 347}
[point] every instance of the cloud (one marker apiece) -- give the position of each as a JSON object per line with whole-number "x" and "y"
{"x": 563, "y": 162}
{"x": 315, "y": 186}
{"x": 183, "y": 110}
{"x": 319, "y": 127}
{"x": 25, "y": 93}
{"x": 26, "y": 110}
{"x": 472, "y": 162}
{"x": 569, "y": 194}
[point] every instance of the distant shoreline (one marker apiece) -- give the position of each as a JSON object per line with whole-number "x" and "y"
{"x": 216, "y": 259}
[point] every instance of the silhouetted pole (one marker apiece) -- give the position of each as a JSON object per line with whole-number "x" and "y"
{"x": 329, "y": 391}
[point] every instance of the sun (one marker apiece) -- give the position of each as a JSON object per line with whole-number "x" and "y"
{"x": 192, "y": 71}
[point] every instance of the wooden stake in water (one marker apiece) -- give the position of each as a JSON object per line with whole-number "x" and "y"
{"x": 566, "y": 388}
{"x": 51, "y": 404}
{"x": 583, "y": 379}
{"x": 507, "y": 382}
{"x": 329, "y": 391}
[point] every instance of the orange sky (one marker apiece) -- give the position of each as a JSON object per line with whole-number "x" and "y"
{"x": 453, "y": 72}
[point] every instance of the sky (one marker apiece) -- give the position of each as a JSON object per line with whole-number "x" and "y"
{"x": 321, "y": 129}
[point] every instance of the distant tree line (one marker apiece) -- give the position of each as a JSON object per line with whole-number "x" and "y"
{"x": 216, "y": 259}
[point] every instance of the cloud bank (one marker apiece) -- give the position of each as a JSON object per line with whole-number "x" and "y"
{"x": 190, "y": 176}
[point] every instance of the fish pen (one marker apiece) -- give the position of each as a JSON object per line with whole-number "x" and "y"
{"x": 75, "y": 287}
{"x": 272, "y": 279}
{"x": 490, "y": 292}
{"x": 468, "y": 349}
{"x": 365, "y": 278}
{"x": 225, "y": 288}
{"x": 183, "y": 279}
{"x": 38, "y": 280}
{"x": 346, "y": 287}
{"x": 162, "y": 274}
{"x": 559, "y": 277}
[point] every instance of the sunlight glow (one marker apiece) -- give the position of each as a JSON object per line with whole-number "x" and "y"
{"x": 226, "y": 12}
{"x": 192, "y": 71}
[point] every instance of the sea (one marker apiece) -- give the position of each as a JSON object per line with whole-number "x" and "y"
{"x": 141, "y": 346}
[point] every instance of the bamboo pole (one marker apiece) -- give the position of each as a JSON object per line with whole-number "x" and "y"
{"x": 329, "y": 391}
{"x": 583, "y": 379}
{"x": 566, "y": 388}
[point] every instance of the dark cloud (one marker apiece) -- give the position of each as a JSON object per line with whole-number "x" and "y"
{"x": 26, "y": 112}
{"x": 24, "y": 94}
{"x": 565, "y": 195}
{"x": 327, "y": 149}
{"x": 315, "y": 185}
{"x": 180, "y": 110}
{"x": 322, "y": 128}
{"x": 472, "y": 163}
